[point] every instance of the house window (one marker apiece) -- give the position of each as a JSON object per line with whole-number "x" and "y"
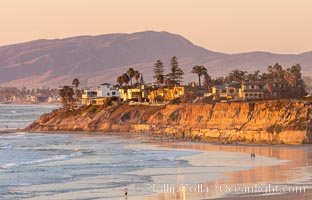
{"x": 260, "y": 96}
{"x": 256, "y": 94}
{"x": 113, "y": 93}
{"x": 252, "y": 87}
{"x": 251, "y": 94}
{"x": 231, "y": 91}
{"x": 261, "y": 87}
{"x": 246, "y": 95}
{"x": 108, "y": 94}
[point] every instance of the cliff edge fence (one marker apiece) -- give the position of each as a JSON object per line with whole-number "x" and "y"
{"x": 269, "y": 122}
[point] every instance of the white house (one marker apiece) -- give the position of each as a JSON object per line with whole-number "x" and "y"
{"x": 99, "y": 95}
{"x": 107, "y": 90}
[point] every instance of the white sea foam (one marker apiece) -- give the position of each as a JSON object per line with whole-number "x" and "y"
{"x": 41, "y": 161}
{"x": 5, "y": 146}
{"x": 11, "y": 136}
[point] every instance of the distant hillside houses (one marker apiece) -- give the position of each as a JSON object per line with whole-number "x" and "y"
{"x": 24, "y": 95}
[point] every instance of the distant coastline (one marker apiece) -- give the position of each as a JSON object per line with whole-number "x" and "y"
{"x": 29, "y": 103}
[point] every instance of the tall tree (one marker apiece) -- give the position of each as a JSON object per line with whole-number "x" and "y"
{"x": 175, "y": 76}
{"x": 76, "y": 83}
{"x": 126, "y": 78}
{"x": 296, "y": 80}
{"x": 200, "y": 71}
{"x": 131, "y": 73}
{"x": 254, "y": 76}
{"x": 159, "y": 72}
{"x": 120, "y": 80}
{"x": 208, "y": 81}
{"x": 287, "y": 83}
{"x": 66, "y": 94}
{"x": 236, "y": 75}
{"x": 218, "y": 81}
{"x": 141, "y": 79}
{"x": 137, "y": 76}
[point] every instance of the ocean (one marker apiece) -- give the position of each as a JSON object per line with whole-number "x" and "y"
{"x": 19, "y": 116}
{"x": 100, "y": 166}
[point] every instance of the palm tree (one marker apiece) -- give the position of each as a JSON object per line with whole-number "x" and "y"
{"x": 120, "y": 80}
{"x": 200, "y": 71}
{"x": 126, "y": 78}
{"x": 237, "y": 75}
{"x": 131, "y": 73}
{"x": 76, "y": 83}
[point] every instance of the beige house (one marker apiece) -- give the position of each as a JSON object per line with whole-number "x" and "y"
{"x": 252, "y": 90}
{"x": 226, "y": 91}
{"x": 133, "y": 94}
{"x": 166, "y": 94}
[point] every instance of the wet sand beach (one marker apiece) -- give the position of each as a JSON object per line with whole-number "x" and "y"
{"x": 294, "y": 171}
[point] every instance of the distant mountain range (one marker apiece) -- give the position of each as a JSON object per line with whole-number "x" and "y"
{"x": 98, "y": 59}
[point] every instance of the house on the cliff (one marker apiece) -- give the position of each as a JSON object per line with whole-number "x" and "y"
{"x": 226, "y": 91}
{"x": 136, "y": 94}
{"x": 247, "y": 90}
{"x": 99, "y": 95}
{"x": 165, "y": 94}
{"x": 253, "y": 90}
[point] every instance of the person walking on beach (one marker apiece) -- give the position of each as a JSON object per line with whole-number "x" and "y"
{"x": 126, "y": 192}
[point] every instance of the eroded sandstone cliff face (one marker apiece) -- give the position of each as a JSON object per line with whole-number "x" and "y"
{"x": 259, "y": 122}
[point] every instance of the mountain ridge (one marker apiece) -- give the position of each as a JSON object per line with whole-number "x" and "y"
{"x": 96, "y": 59}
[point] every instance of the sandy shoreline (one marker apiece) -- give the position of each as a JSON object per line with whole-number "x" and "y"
{"x": 292, "y": 173}
{"x": 289, "y": 196}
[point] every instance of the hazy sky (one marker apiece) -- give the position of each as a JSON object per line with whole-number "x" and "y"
{"x": 231, "y": 26}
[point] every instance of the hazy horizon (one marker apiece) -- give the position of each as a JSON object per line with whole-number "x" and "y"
{"x": 218, "y": 25}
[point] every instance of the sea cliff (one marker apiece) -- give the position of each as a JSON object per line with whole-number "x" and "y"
{"x": 273, "y": 122}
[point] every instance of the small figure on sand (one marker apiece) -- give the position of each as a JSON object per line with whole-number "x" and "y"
{"x": 126, "y": 191}
{"x": 252, "y": 155}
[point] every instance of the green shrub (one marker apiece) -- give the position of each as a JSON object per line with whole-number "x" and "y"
{"x": 278, "y": 128}
{"x": 270, "y": 129}
{"x": 274, "y": 128}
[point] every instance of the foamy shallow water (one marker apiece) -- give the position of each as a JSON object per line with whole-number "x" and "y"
{"x": 20, "y": 116}
{"x": 45, "y": 165}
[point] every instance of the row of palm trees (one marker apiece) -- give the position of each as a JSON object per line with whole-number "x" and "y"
{"x": 127, "y": 77}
